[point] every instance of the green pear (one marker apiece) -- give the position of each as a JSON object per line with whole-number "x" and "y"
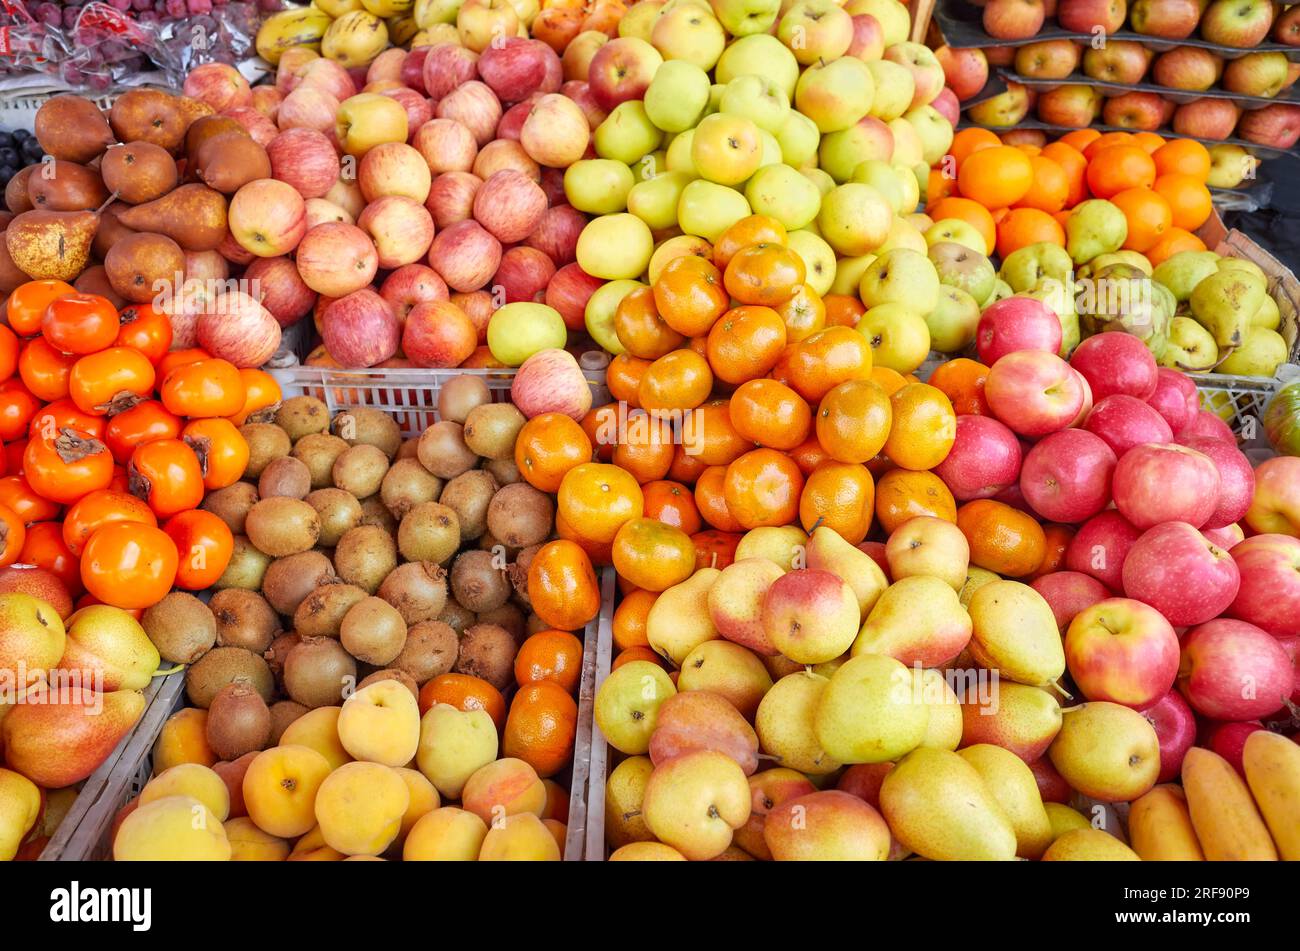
{"x": 1181, "y": 272}
{"x": 918, "y": 619}
{"x": 627, "y": 705}
{"x": 1226, "y": 301}
{"x": 679, "y": 621}
{"x": 828, "y": 551}
{"x": 965, "y": 268}
{"x": 1016, "y": 791}
{"x": 1122, "y": 256}
{"x": 1241, "y": 264}
{"x": 1107, "y": 751}
{"x": 1260, "y": 354}
{"x": 1268, "y": 315}
{"x": 1095, "y": 227}
{"x": 784, "y": 723}
{"x": 1191, "y": 347}
{"x": 901, "y": 276}
{"x": 1064, "y": 819}
{"x": 1120, "y": 297}
{"x": 953, "y": 321}
{"x": 1026, "y": 267}
{"x": 945, "y": 728}
{"x": 870, "y": 711}
{"x": 1016, "y": 717}
{"x": 938, "y": 806}
{"x": 1015, "y": 633}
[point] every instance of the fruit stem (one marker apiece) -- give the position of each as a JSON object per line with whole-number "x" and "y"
{"x": 168, "y": 672}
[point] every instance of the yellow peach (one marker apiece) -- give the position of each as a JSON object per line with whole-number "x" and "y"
{"x": 171, "y": 829}
{"x": 183, "y": 739}
{"x": 190, "y": 779}
{"x": 646, "y": 852}
{"x": 445, "y": 835}
{"x": 360, "y": 806}
{"x": 424, "y": 799}
{"x": 312, "y": 848}
{"x": 248, "y": 843}
{"x": 519, "y": 838}
{"x": 280, "y": 789}
{"x": 506, "y": 787}
{"x": 318, "y": 729}
{"x": 380, "y": 724}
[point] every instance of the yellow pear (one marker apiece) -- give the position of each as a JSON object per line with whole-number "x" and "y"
{"x": 917, "y": 620}
{"x": 680, "y": 620}
{"x": 828, "y": 551}
{"x": 944, "y": 729}
{"x": 1016, "y": 791}
{"x": 696, "y": 801}
{"x": 1106, "y": 751}
{"x": 1089, "y": 845}
{"x": 870, "y": 711}
{"x": 20, "y": 807}
{"x": 624, "y": 791}
{"x": 784, "y": 546}
{"x": 1015, "y": 633}
{"x": 1064, "y": 819}
{"x": 785, "y": 723}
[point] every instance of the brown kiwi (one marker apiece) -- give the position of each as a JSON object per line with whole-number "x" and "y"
{"x": 360, "y": 470}
{"x": 431, "y": 650}
{"x": 232, "y": 504}
{"x": 469, "y": 496}
{"x": 338, "y": 512}
{"x": 181, "y": 627}
{"x": 246, "y": 568}
{"x": 244, "y": 619}
{"x": 290, "y": 579}
{"x": 285, "y": 477}
{"x": 322, "y": 611}
{"x": 366, "y": 426}
{"x": 392, "y": 673}
{"x": 221, "y": 666}
{"x": 278, "y": 651}
{"x": 364, "y": 556}
{"x": 509, "y": 616}
{"x": 373, "y": 631}
{"x": 489, "y": 542}
{"x": 375, "y": 512}
{"x": 534, "y": 625}
{"x": 266, "y": 443}
{"x": 488, "y": 651}
{"x": 409, "y": 449}
{"x": 418, "y": 589}
{"x": 456, "y": 617}
{"x": 504, "y": 471}
{"x": 283, "y": 712}
{"x": 317, "y": 670}
{"x": 443, "y": 452}
{"x": 406, "y": 485}
{"x": 283, "y": 526}
{"x": 520, "y": 515}
{"x": 491, "y": 429}
{"x": 429, "y": 532}
{"x": 238, "y": 721}
{"x": 317, "y": 451}
{"x": 478, "y": 583}
{"x": 517, "y": 571}
{"x": 302, "y": 415}
{"x": 461, "y": 394}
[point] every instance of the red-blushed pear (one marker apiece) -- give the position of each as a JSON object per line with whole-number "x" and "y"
{"x": 1017, "y": 717}
{"x": 1236, "y": 478}
{"x": 1269, "y": 595}
{"x": 1107, "y": 751}
{"x": 1176, "y": 570}
{"x": 695, "y": 802}
{"x": 916, "y": 621}
{"x": 736, "y": 601}
{"x": 1232, "y": 670}
{"x": 1276, "y": 505}
{"x": 1033, "y": 392}
{"x": 1066, "y": 476}
{"x": 1124, "y": 421}
{"x": 1175, "y": 726}
{"x": 733, "y": 672}
{"x": 985, "y": 458}
{"x": 785, "y": 723}
{"x": 826, "y": 550}
{"x": 32, "y": 638}
{"x": 769, "y": 789}
{"x": 698, "y": 720}
{"x": 864, "y": 780}
{"x": 938, "y": 806}
{"x": 1015, "y": 790}
{"x": 1114, "y": 362}
{"x": 1165, "y": 483}
{"x": 1068, "y": 593}
{"x": 1123, "y": 651}
{"x": 826, "y": 826}
{"x": 58, "y": 744}
{"x": 1175, "y": 398}
{"x": 810, "y": 616}
{"x": 1100, "y": 546}
{"x": 1016, "y": 323}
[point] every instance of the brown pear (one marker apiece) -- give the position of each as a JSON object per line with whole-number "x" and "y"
{"x": 5, "y": 218}
{"x": 228, "y": 162}
{"x": 111, "y": 230}
{"x": 51, "y": 245}
{"x": 151, "y": 115}
{"x": 66, "y": 186}
{"x": 138, "y": 264}
{"x": 94, "y": 280}
{"x": 16, "y": 199}
{"x": 209, "y": 127}
{"x": 194, "y": 216}
{"x": 138, "y": 172}
{"x": 73, "y": 129}
{"x": 11, "y": 276}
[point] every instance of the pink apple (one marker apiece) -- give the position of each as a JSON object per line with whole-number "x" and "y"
{"x": 1069, "y": 592}
{"x": 580, "y": 92}
{"x": 1016, "y": 323}
{"x": 947, "y": 105}
{"x": 446, "y": 145}
{"x": 386, "y": 67}
{"x": 1236, "y": 478}
{"x": 1165, "y": 483}
{"x": 555, "y": 131}
{"x": 1173, "y": 568}
{"x": 1124, "y": 421}
{"x": 1033, "y": 392}
{"x": 439, "y": 334}
{"x": 419, "y": 110}
{"x": 308, "y": 107}
{"x": 512, "y": 120}
{"x": 509, "y": 205}
{"x": 1175, "y": 398}
{"x": 267, "y": 217}
{"x": 965, "y": 71}
{"x": 1232, "y": 670}
{"x": 412, "y": 71}
{"x": 505, "y": 154}
{"x": 1122, "y": 651}
{"x": 410, "y": 285}
{"x": 1207, "y": 118}
{"x": 1066, "y": 476}
{"x": 266, "y": 100}
{"x": 336, "y": 259}
{"x": 465, "y": 255}
{"x": 474, "y": 105}
{"x": 1100, "y": 546}
{"x": 622, "y": 70}
{"x": 259, "y": 128}
{"x": 569, "y": 291}
{"x": 394, "y": 168}
{"x": 1175, "y": 727}
{"x": 1088, "y": 16}
{"x": 360, "y": 329}
{"x": 324, "y": 73}
{"x": 218, "y": 85}
{"x": 451, "y": 197}
{"x": 514, "y": 68}
{"x": 401, "y": 229}
{"x": 1115, "y": 362}
{"x": 1205, "y": 423}
{"x": 557, "y": 233}
{"x": 1269, "y": 596}
{"x": 1086, "y": 408}
{"x": 446, "y": 67}
{"x": 868, "y": 43}
{"x": 1276, "y": 126}
{"x": 320, "y": 211}
{"x": 984, "y": 459}
{"x": 280, "y": 288}
{"x": 1229, "y": 740}
{"x": 550, "y": 381}
{"x": 523, "y": 274}
{"x": 1227, "y": 537}
{"x": 305, "y": 159}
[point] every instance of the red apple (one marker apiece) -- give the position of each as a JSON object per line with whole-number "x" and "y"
{"x": 1167, "y": 19}
{"x": 509, "y": 205}
{"x": 1276, "y": 126}
{"x": 523, "y": 274}
{"x": 1069, "y": 592}
{"x": 419, "y": 110}
{"x": 308, "y": 107}
{"x": 1122, "y": 651}
{"x": 446, "y": 66}
{"x": 569, "y": 291}
{"x": 1229, "y": 740}
{"x": 515, "y": 67}
{"x": 505, "y": 154}
{"x": 554, "y": 131}
{"x": 320, "y": 211}
{"x": 478, "y": 306}
{"x": 1088, "y": 16}
{"x": 1165, "y": 483}
{"x": 622, "y": 70}
{"x": 412, "y": 72}
{"x": 474, "y": 105}
{"x": 984, "y": 459}
{"x": 278, "y": 285}
{"x": 267, "y": 217}
{"x": 324, "y": 73}
{"x": 261, "y": 129}
{"x": 336, "y": 259}
{"x": 1175, "y": 398}
{"x": 1066, "y": 476}
{"x": 1013, "y": 19}
{"x": 451, "y": 197}
{"x": 1232, "y": 670}
{"x": 965, "y": 71}
{"x": 1124, "y": 421}
{"x": 266, "y": 100}
{"x": 305, "y": 159}
{"x": 512, "y": 120}
{"x": 1100, "y": 546}
{"x": 550, "y": 381}
{"x": 360, "y": 329}
{"x": 1227, "y": 537}
{"x": 1190, "y": 68}
{"x": 1136, "y": 110}
{"x": 393, "y": 168}
{"x": 580, "y": 92}
{"x": 410, "y": 285}
{"x": 447, "y": 145}
{"x": 218, "y": 85}
{"x": 1115, "y": 362}
{"x": 401, "y": 229}
{"x": 868, "y": 43}
{"x": 1073, "y": 106}
{"x": 1236, "y": 478}
{"x": 466, "y": 255}
{"x": 947, "y": 105}
{"x": 1173, "y": 568}
{"x": 1175, "y": 727}
{"x": 1207, "y": 118}
{"x": 1269, "y": 596}
{"x": 1208, "y": 425}
{"x": 1286, "y": 28}
{"x": 557, "y": 233}
{"x": 1033, "y": 392}
{"x": 437, "y": 333}
{"x": 1016, "y": 323}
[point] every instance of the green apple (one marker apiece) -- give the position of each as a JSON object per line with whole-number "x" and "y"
{"x": 819, "y": 178}
{"x": 907, "y": 144}
{"x": 599, "y": 315}
{"x": 1190, "y": 347}
{"x": 848, "y": 274}
{"x": 903, "y": 234}
{"x": 901, "y": 276}
{"x": 715, "y": 100}
{"x": 759, "y": 99}
{"x": 517, "y": 331}
{"x": 760, "y": 54}
{"x": 726, "y": 149}
{"x": 707, "y": 209}
{"x": 818, "y": 259}
{"x": 771, "y": 149}
{"x": 655, "y": 201}
{"x": 615, "y": 247}
{"x": 747, "y": 17}
{"x": 842, "y": 152}
{"x": 1181, "y": 272}
{"x": 953, "y": 321}
{"x": 676, "y": 97}
{"x": 881, "y": 176}
{"x": 627, "y": 133}
{"x": 650, "y": 165}
{"x": 894, "y": 88}
{"x": 780, "y": 191}
{"x": 895, "y": 22}
{"x": 964, "y": 268}
{"x": 1230, "y": 165}
{"x": 911, "y": 192}
{"x": 1001, "y": 291}
{"x": 955, "y": 229}
{"x": 798, "y": 138}
{"x": 836, "y": 94}
{"x": 899, "y": 338}
{"x": 690, "y": 34}
{"x": 640, "y": 19}
{"x": 598, "y": 186}
{"x": 934, "y": 131}
{"x": 854, "y": 218}
{"x": 1025, "y": 267}
{"x": 678, "y": 158}
{"x": 1261, "y": 352}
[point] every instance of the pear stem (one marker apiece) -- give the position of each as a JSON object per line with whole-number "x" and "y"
{"x": 1055, "y": 685}
{"x": 160, "y": 672}
{"x": 111, "y": 198}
